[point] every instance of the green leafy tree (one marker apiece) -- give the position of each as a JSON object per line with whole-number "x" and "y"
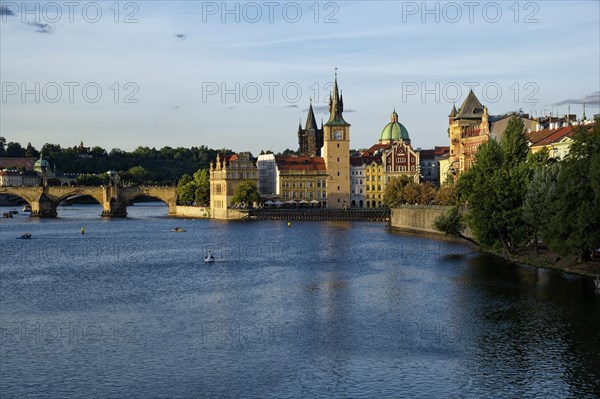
{"x": 426, "y": 193}
{"x": 452, "y": 224}
{"x": 138, "y": 174}
{"x": 541, "y": 192}
{"x": 393, "y": 195}
{"x": 494, "y": 189}
{"x": 246, "y": 193}
{"x": 514, "y": 143}
{"x": 90, "y": 180}
{"x": 446, "y": 195}
{"x": 2, "y": 147}
{"x": 411, "y": 192}
{"x": 31, "y": 152}
{"x": 186, "y": 191}
{"x": 14, "y": 150}
{"x": 574, "y": 225}
{"x": 202, "y": 193}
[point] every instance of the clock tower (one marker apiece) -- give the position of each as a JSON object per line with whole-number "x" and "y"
{"x": 336, "y": 152}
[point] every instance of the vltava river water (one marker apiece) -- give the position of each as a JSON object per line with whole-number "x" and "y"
{"x": 318, "y": 310}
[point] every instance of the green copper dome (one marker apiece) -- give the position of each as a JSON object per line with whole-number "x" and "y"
{"x": 41, "y": 165}
{"x": 394, "y": 131}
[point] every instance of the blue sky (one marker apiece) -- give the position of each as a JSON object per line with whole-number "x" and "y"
{"x": 240, "y": 74}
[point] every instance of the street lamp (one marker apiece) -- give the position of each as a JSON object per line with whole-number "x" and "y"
{"x": 451, "y": 169}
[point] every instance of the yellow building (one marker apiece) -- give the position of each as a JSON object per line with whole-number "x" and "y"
{"x": 374, "y": 180}
{"x": 468, "y": 129}
{"x": 556, "y": 140}
{"x": 302, "y": 179}
{"x": 392, "y": 157}
{"x": 226, "y": 174}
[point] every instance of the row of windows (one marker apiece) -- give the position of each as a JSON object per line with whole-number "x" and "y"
{"x": 356, "y": 181}
{"x": 372, "y": 187}
{"x": 241, "y": 175}
{"x": 300, "y": 184}
{"x": 402, "y": 168}
{"x": 357, "y": 173}
{"x": 375, "y": 178}
{"x": 301, "y": 194}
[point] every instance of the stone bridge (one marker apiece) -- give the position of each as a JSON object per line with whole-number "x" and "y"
{"x": 114, "y": 199}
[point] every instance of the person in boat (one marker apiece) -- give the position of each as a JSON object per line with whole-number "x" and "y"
{"x": 209, "y": 257}
{"x": 25, "y": 236}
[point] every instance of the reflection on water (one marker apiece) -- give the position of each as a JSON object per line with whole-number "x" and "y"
{"x": 317, "y": 310}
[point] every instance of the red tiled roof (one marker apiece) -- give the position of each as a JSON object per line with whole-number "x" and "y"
{"x": 441, "y": 150}
{"x": 434, "y": 152}
{"x": 374, "y": 148}
{"x": 300, "y": 163}
{"x": 356, "y": 160}
{"x": 26, "y": 163}
{"x": 549, "y": 136}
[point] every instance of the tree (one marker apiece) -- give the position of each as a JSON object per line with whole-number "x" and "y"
{"x": 31, "y": 152}
{"x": 541, "y": 192}
{"x": 514, "y": 143}
{"x": 186, "y": 190}
{"x": 246, "y": 193}
{"x": 138, "y": 174}
{"x": 426, "y": 193}
{"x": 202, "y": 193}
{"x": 451, "y": 223}
{"x": 446, "y": 195}
{"x": 2, "y": 147}
{"x": 393, "y": 196}
{"x": 89, "y": 180}
{"x": 411, "y": 192}
{"x": 574, "y": 225}
{"x": 14, "y": 150}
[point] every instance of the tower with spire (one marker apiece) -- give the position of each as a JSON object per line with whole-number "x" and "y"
{"x": 336, "y": 152}
{"x": 468, "y": 128}
{"x": 310, "y": 139}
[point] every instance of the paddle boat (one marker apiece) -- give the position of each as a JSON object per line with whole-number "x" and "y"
{"x": 25, "y": 236}
{"x": 209, "y": 258}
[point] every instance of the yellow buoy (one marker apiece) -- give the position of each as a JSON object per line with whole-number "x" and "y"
{"x": 289, "y": 224}
{"x": 82, "y": 230}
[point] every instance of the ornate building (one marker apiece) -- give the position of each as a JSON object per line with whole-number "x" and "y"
{"x": 468, "y": 128}
{"x": 310, "y": 139}
{"x": 226, "y": 174}
{"x": 392, "y": 157}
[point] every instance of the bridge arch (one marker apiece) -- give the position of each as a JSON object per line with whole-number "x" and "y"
{"x": 81, "y": 192}
{"x": 19, "y": 194}
{"x": 168, "y": 195}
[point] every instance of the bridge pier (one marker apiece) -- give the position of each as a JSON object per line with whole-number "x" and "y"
{"x": 114, "y": 209}
{"x": 44, "y": 207}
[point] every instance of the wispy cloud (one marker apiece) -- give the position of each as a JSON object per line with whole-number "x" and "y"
{"x": 324, "y": 109}
{"x": 590, "y": 99}
{"x": 290, "y": 106}
{"x": 180, "y": 36}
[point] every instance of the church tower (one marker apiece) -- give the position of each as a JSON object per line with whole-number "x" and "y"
{"x": 310, "y": 139}
{"x": 336, "y": 152}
